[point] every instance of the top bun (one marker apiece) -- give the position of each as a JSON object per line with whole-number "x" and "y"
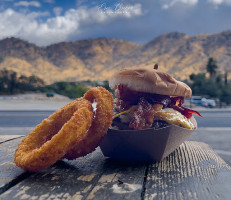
{"x": 150, "y": 81}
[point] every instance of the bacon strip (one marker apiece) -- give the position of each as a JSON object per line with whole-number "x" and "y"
{"x": 130, "y": 97}
{"x": 177, "y": 104}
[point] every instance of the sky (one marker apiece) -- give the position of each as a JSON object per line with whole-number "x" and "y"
{"x": 47, "y": 22}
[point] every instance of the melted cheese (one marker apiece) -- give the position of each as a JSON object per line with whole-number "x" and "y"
{"x": 132, "y": 109}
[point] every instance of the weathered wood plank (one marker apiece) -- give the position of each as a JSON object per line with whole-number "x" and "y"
{"x": 193, "y": 171}
{"x": 8, "y": 170}
{"x": 119, "y": 181}
{"x": 61, "y": 181}
{"x": 4, "y": 138}
{"x": 79, "y": 178}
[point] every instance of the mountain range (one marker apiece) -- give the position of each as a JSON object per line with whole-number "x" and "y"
{"x": 97, "y": 59}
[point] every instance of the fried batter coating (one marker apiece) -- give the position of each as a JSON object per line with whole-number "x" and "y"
{"x": 54, "y": 136}
{"x": 100, "y": 124}
{"x": 70, "y": 132}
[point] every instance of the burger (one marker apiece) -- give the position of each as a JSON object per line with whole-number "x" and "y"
{"x": 150, "y": 120}
{"x": 149, "y": 98}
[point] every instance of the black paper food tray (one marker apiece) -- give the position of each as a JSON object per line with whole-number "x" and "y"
{"x": 144, "y": 145}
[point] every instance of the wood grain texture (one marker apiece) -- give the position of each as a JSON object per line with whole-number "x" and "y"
{"x": 83, "y": 178}
{"x": 64, "y": 180}
{"x": 119, "y": 181}
{"x": 8, "y": 170}
{"x": 193, "y": 171}
{"x": 4, "y": 138}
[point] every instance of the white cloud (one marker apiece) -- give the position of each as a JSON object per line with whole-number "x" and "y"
{"x": 13, "y": 23}
{"x": 170, "y": 3}
{"x": 60, "y": 28}
{"x": 167, "y": 4}
{"x": 219, "y": 2}
{"x": 80, "y": 2}
{"x": 34, "y": 15}
{"x": 28, "y": 3}
{"x": 137, "y": 22}
{"x": 57, "y": 10}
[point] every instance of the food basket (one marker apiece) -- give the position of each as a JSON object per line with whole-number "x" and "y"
{"x": 144, "y": 145}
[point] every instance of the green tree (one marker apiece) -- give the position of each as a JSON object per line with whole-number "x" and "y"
{"x": 70, "y": 89}
{"x": 35, "y": 81}
{"x": 10, "y": 83}
{"x": 226, "y": 94}
{"x": 203, "y": 86}
{"x": 216, "y": 86}
{"x": 75, "y": 91}
{"x": 211, "y": 67}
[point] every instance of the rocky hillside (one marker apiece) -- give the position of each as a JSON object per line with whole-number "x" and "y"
{"x": 176, "y": 53}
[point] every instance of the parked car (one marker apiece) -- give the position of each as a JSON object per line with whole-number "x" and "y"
{"x": 196, "y": 100}
{"x": 50, "y": 94}
{"x": 211, "y": 103}
{"x": 202, "y": 101}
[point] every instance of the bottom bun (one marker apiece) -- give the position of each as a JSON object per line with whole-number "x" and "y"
{"x": 144, "y": 145}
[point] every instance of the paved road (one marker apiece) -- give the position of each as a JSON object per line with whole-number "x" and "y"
{"x": 214, "y": 127}
{"x": 22, "y": 118}
{"x": 216, "y": 118}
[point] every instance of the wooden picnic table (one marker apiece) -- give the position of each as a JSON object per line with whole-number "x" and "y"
{"x": 193, "y": 171}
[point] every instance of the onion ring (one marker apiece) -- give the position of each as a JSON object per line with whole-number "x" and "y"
{"x": 54, "y": 136}
{"x": 100, "y": 124}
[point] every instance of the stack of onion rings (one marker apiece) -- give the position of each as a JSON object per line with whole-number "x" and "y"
{"x": 70, "y": 132}
{"x": 100, "y": 124}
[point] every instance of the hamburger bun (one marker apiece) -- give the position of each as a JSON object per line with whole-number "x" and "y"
{"x": 150, "y": 81}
